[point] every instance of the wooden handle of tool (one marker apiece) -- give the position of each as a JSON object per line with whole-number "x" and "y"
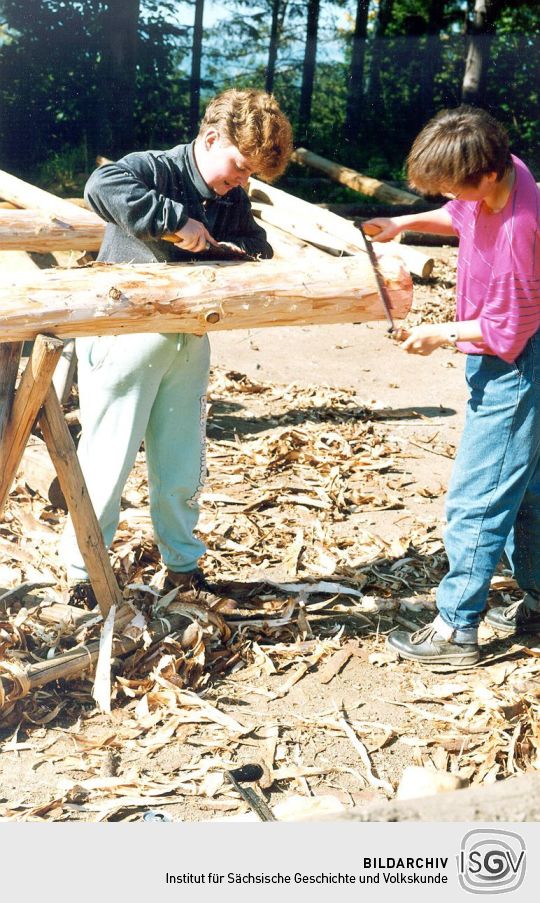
{"x": 370, "y": 230}
{"x": 176, "y": 240}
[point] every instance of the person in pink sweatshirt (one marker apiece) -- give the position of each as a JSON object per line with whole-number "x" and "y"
{"x": 493, "y": 502}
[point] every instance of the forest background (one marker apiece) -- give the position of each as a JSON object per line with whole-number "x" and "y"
{"x": 358, "y": 78}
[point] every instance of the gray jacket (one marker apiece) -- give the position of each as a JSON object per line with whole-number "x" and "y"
{"x": 148, "y": 194}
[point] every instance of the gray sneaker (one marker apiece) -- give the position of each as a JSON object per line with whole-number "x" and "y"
{"x": 430, "y": 648}
{"x": 514, "y": 618}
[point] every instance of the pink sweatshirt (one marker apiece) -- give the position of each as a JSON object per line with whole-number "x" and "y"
{"x": 498, "y": 273}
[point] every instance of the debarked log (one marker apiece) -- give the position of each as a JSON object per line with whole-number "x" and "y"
{"x": 18, "y": 679}
{"x": 108, "y": 299}
{"x": 356, "y": 180}
{"x": 32, "y": 230}
{"x": 516, "y": 799}
{"x": 323, "y": 221}
{"x": 24, "y": 194}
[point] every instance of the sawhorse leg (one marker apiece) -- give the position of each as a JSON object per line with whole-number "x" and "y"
{"x": 10, "y": 353}
{"x": 35, "y": 391}
{"x": 23, "y": 411}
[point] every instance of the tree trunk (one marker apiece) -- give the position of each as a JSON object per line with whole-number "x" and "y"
{"x": 52, "y": 223}
{"x": 117, "y": 81}
{"x": 286, "y": 246}
{"x": 355, "y": 92}
{"x": 348, "y": 240}
{"x": 273, "y": 47}
{"x": 384, "y": 17}
{"x": 298, "y": 225}
{"x": 432, "y": 57}
{"x": 25, "y": 195}
{"x": 333, "y": 226}
{"x": 196, "y": 56}
{"x": 481, "y": 32}
{"x": 107, "y": 299}
{"x": 308, "y": 69}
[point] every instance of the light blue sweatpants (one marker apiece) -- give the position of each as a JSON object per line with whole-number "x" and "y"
{"x": 153, "y": 387}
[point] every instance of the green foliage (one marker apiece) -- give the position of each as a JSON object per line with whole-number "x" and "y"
{"x": 516, "y": 62}
{"x": 65, "y": 171}
{"x": 50, "y": 90}
{"x": 520, "y": 16}
{"x": 51, "y": 55}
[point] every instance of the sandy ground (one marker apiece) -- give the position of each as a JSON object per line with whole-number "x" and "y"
{"x": 363, "y": 359}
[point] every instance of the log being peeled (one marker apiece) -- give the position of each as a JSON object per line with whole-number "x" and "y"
{"x": 108, "y": 299}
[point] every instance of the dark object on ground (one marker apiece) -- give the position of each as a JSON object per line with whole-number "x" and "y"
{"x": 188, "y": 582}
{"x": 248, "y": 773}
{"x": 82, "y": 595}
{"x": 56, "y": 496}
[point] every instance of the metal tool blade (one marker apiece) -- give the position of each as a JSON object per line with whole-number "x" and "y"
{"x": 383, "y": 291}
{"x": 251, "y": 797}
{"x": 221, "y": 251}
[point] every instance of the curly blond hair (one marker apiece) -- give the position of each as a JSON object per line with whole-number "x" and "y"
{"x": 254, "y": 123}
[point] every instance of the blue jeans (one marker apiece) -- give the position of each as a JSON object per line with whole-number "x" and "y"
{"x": 493, "y": 502}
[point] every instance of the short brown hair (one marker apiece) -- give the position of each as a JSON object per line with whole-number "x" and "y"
{"x": 458, "y": 147}
{"x": 254, "y": 123}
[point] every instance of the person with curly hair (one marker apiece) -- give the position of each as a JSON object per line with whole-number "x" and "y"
{"x": 168, "y": 206}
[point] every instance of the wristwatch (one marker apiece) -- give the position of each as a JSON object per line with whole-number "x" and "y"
{"x": 453, "y": 336}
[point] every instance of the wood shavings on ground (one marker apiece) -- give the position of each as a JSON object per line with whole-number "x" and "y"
{"x": 317, "y": 548}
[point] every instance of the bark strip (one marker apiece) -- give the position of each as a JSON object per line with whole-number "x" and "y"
{"x": 17, "y": 680}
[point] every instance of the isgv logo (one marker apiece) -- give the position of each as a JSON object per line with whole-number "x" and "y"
{"x": 491, "y": 862}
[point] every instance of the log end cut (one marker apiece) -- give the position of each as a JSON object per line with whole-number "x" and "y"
{"x": 399, "y": 284}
